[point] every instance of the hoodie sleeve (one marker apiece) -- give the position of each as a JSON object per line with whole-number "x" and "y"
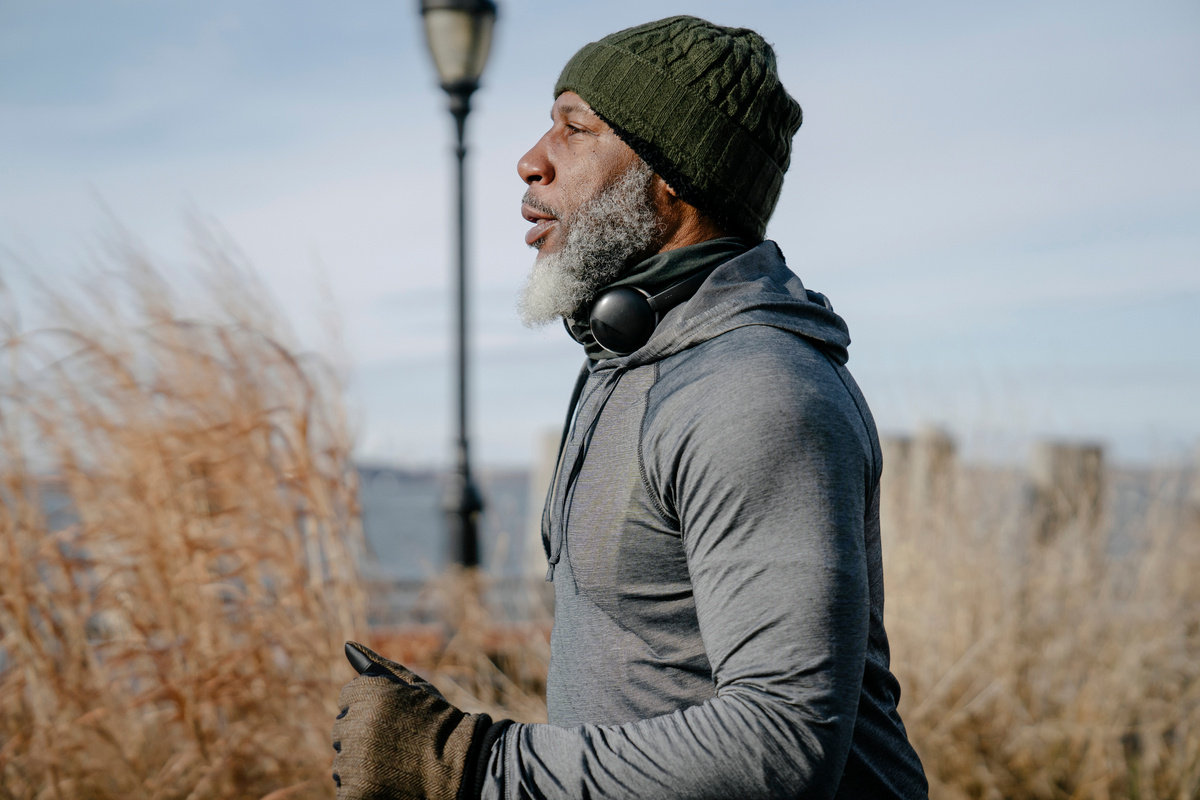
{"x": 759, "y": 452}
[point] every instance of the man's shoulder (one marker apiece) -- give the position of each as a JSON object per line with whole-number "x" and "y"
{"x": 748, "y": 358}
{"x": 749, "y": 403}
{"x": 751, "y": 376}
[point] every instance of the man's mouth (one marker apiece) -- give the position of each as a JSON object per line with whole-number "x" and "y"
{"x": 542, "y": 221}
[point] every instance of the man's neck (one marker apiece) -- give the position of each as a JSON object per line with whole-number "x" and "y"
{"x": 695, "y": 230}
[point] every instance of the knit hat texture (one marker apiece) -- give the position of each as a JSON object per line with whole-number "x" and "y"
{"x": 702, "y": 105}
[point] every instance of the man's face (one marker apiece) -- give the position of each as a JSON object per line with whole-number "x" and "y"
{"x": 590, "y": 202}
{"x": 571, "y": 164}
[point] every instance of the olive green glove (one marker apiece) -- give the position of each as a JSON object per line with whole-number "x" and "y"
{"x": 397, "y": 737}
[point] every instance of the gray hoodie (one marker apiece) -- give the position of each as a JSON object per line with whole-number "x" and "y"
{"x": 713, "y": 532}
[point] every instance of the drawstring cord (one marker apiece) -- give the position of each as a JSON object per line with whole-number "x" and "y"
{"x": 558, "y": 538}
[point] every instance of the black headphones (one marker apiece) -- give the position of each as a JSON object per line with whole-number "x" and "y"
{"x": 624, "y": 318}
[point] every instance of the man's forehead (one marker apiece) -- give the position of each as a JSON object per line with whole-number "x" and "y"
{"x": 569, "y": 103}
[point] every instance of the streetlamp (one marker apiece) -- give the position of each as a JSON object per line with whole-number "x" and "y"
{"x": 459, "y": 34}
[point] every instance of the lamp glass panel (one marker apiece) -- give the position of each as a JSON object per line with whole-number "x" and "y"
{"x": 459, "y": 43}
{"x": 483, "y": 43}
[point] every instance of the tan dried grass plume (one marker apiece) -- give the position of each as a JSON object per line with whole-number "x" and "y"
{"x": 178, "y": 633}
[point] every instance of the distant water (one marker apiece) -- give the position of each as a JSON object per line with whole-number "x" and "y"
{"x": 406, "y": 527}
{"x": 403, "y": 520}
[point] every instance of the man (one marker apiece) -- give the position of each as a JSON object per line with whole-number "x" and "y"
{"x": 713, "y": 528}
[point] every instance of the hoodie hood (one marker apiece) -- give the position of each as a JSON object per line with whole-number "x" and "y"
{"x": 755, "y": 288}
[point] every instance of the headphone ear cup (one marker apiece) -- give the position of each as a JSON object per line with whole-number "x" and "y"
{"x": 622, "y": 320}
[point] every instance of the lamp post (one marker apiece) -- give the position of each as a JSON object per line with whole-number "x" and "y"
{"x": 459, "y": 34}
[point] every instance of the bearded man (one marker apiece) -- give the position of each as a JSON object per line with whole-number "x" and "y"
{"x": 713, "y": 527}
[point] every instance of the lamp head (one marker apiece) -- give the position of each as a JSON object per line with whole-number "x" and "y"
{"x": 459, "y": 35}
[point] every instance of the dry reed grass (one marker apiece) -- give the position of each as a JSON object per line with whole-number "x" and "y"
{"x": 179, "y": 635}
{"x": 1055, "y": 669}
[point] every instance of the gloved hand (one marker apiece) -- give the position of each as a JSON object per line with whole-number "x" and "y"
{"x": 397, "y": 737}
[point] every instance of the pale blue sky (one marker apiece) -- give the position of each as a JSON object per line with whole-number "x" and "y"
{"x": 1003, "y": 200}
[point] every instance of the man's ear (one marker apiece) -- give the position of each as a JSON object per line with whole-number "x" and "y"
{"x": 677, "y": 217}
{"x": 669, "y": 206}
{"x": 664, "y": 194}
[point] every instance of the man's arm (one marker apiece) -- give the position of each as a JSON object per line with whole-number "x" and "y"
{"x": 766, "y": 465}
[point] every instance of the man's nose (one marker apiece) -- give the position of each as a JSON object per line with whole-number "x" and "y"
{"x": 534, "y": 167}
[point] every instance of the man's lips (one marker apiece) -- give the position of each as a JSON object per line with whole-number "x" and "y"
{"x": 542, "y": 222}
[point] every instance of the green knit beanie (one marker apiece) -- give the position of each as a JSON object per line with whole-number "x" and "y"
{"x": 702, "y": 105}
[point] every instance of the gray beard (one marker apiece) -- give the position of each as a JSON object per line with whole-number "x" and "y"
{"x": 602, "y": 235}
